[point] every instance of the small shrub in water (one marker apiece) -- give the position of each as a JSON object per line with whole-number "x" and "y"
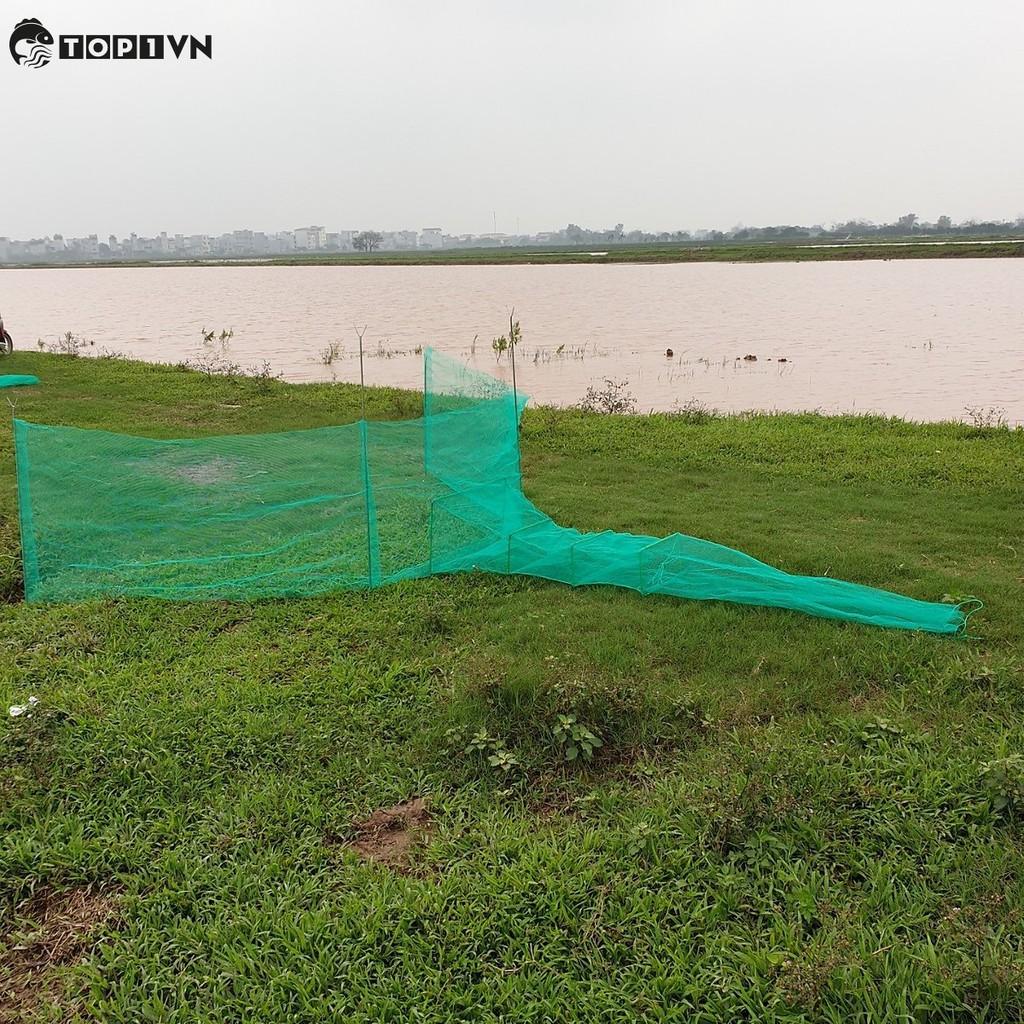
{"x": 209, "y": 337}
{"x": 67, "y": 345}
{"x": 331, "y": 352}
{"x": 505, "y": 343}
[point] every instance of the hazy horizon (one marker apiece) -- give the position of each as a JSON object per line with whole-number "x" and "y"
{"x": 399, "y": 115}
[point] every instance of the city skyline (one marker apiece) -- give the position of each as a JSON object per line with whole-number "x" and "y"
{"x": 317, "y": 238}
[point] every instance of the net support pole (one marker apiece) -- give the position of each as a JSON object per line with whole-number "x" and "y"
{"x": 512, "y": 350}
{"x": 362, "y": 379}
{"x": 29, "y": 554}
{"x": 426, "y": 409}
{"x": 372, "y": 539}
{"x": 515, "y": 393}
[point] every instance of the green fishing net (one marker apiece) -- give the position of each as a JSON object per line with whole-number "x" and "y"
{"x": 356, "y": 506}
{"x": 17, "y": 380}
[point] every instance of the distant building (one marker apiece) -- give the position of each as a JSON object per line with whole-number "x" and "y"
{"x": 310, "y": 239}
{"x": 339, "y": 241}
{"x": 398, "y": 240}
{"x": 88, "y": 247}
{"x": 431, "y": 238}
{"x": 241, "y": 242}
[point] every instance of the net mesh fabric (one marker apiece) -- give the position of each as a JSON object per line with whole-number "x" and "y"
{"x": 356, "y": 506}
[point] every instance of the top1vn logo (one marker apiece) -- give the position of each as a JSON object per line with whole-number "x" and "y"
{"x": 31, "y": 46}
{"x": 140, "y": 47}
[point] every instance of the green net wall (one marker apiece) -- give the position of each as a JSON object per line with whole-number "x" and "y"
{"x": 361, "y": 505}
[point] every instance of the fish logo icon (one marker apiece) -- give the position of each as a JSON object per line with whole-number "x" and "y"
{"x": 30, "y": 44}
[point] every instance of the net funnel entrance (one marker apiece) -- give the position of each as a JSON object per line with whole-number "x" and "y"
{"x": 360, "y": 506}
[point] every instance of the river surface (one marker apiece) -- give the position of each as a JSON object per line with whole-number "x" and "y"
{"x": 922, "y": 339}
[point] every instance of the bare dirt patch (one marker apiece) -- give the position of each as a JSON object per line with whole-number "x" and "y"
{"x": 389, "y": 835}
{"x": 50, "y": 930}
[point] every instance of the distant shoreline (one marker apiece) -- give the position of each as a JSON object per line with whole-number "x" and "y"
{"x": 712, "y": 252}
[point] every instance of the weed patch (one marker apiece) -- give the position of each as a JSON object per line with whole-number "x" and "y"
{"x": 52, "y": 930}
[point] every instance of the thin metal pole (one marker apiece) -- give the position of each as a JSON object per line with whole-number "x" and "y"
{"x": 362, "y": 380}
{"x": 426, "y": 417}
{"x": 515, "y": 393}
{"x": 512, "y": 348}
{"x": 364, "y": 458}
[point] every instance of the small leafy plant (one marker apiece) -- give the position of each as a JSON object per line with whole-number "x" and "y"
{"x": 503, "y": 760}
{"x": 493, "y": 750}
{"x": 881, "y": 730}
{"x": 481, "y": 742}
{"x": 575, "y": 739}
{"x": 687, "y": 710}
{"x": 505, "y": 342}
{"x": 1003, "y": 780}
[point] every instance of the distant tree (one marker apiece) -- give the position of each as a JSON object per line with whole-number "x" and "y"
{"x": 907, "y": 223}
{"x": 366, "y": 241}
{"x": 944, "y": 223}
{"x": 786, "y": 231}
{"x": 852, "y": 228}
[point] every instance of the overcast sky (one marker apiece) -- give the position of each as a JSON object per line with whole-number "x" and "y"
{"x": 413, "y": 113}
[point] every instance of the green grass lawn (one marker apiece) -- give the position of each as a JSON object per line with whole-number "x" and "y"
{"x": 789, "y": 818}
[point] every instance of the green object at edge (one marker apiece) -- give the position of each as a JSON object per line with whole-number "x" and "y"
{"x": 17, "y": 380}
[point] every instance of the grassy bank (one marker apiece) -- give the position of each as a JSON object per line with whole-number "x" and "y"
{"x": 710, "y": 252}
{"x": 788, "y": 819}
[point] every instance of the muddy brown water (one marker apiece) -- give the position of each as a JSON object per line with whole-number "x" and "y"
{"x": 923, "y": 339}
